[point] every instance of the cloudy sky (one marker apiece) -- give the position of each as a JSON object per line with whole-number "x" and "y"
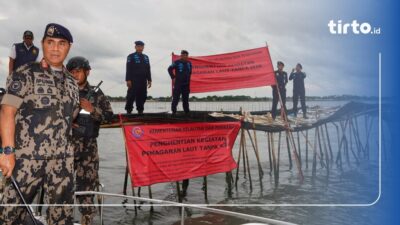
{"x": 296, "y": 31}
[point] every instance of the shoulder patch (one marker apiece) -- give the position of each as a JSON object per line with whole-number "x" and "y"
{"x": 16, "y": 85}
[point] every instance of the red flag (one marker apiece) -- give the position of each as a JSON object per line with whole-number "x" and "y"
{"x": 236, "y": 70}
{"x": 173, "y": 152}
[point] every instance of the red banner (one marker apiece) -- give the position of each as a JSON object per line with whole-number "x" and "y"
{"x": 236, "y": 70}
{"x": 173, "y": 152}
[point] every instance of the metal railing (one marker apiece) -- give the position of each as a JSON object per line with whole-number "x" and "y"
{"x": 183, "y": 206}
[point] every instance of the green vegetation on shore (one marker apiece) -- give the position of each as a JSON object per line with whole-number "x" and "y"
{"x": 239, "y": 98}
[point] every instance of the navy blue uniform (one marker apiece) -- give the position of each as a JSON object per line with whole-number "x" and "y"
{"x": 138, "y": 72}
{"x": 24, "y": 55}
{"x": 299, "y": 91}
{"x": 183, "y": 71}
{"x": 281, "y": 80}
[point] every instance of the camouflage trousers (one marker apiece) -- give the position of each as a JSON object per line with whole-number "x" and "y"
{"x": 56, "y": 178}
{"x": 87, "y": 172}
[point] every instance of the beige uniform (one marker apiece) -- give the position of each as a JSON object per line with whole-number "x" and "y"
{"x": 46, "y": 101}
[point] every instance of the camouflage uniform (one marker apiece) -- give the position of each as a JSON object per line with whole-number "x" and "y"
{"x": 86, "y": 152}
{"x": 46, "y": 101}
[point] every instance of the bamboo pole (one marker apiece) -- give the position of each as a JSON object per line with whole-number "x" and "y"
{"x": 320, "y": 149}
{"x": 327, "y": 160}
{"x": 125, "y": 180}
{"x": 314, "y": 165}
{"x": 269, "y": 155}
{"x": 344, "y": 141}
{"x": 248, "y": 165}
{"x": 260, "y": 172}
{"x": 178, "y": 190}
{"x": 238, "y": 163}
{"x": 298, "y": 147}
{"x": 288, "y": 150}
{"x": 306, "y": 149}
{"x": 151, "y": 196}
{"x": 357, "y": 131}
{"x": 329, "y": 142}
{"x": 228, "y": 179}
{"x": 339, "y": 155}
{"x": 296, "y": 157}
{"x": 258, "y": 153}
{"x": 205, "y": 187}
{"x": 279, "y": 155}
{"x": 244, "y": 155}
{"x": 274, "y": 159}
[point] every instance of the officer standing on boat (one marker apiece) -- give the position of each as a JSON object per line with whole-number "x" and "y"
{"x": 22, "y": 53}
{"x": 180, "y": 72}
{"x": 36, "y": 128}
{"x": 281, "y": 81}
{"x": 95, "y": 109}
{"x": 138, "y": 78}
{"x": 299, "y": 90}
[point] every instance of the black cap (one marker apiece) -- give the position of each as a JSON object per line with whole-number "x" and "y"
{"x": 78, "y": 62}
{"x": 28, "y": 33}
{"x": 140, "y": 43}
{"x": 184, "y": 52}
{"x": 280, "y": 63}
{"x": 57, "y": 31}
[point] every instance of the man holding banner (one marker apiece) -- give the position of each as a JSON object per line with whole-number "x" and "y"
{"x": 180, "y": 72}
{"x": 281, "y": 81}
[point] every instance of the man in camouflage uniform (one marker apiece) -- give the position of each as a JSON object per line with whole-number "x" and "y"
{"x": 95, "y": 109}
{"x": 36, "y": 127}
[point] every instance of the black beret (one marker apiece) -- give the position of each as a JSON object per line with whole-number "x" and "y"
{"x": 184, "y": 52}
{"x": 281, "y": 63}
{"x": 298, "y": 64}
{"x": 57, "y": 31}
{"x": 139, "y": 43}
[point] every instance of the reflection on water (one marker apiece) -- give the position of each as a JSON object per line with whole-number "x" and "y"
{"x": 351, "y": 185}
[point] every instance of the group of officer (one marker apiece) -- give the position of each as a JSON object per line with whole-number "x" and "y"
{"x": 49, "y": 122}
{"x": 138, "y": 80}
{"x": 50, "y": 118}
{"x": 279, "y": 90}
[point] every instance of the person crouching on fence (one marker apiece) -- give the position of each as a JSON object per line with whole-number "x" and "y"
{"x": 95, "y": 109}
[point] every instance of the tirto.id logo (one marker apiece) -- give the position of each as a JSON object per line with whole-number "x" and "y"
{"x": 338, "y": 27}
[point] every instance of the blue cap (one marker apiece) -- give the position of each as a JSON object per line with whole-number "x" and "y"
{"x": 139, "y": 43}
{"x": 57, "y": 31}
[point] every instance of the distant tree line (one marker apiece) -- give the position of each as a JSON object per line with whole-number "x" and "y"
{"x": 238, "y": 98}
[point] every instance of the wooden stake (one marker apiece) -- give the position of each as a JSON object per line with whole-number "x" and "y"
{"x": 306, "y": 149}
{"x": 288, "y": 150}
{"x": 298, "y": 148}
{"x": 248, "y": 164}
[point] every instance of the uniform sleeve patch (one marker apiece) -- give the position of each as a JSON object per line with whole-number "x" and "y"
{"x": 16, "y": 85}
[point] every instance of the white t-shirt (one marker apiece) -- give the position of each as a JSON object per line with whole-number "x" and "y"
{"x": 13, "y": 53}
